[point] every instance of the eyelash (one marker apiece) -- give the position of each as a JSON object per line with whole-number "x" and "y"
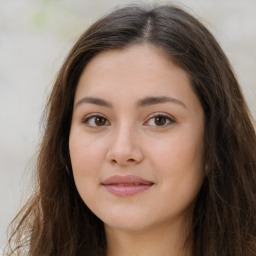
{"x": 167, "y": 120}
{"x": 90, "y": 117}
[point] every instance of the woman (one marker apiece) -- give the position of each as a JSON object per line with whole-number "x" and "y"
{"x": 148, "y": 149}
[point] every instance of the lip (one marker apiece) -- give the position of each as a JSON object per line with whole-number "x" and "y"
{"x": 126, "y": 185}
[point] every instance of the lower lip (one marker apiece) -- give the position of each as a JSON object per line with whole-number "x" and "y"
{"x": 127, "y": 190}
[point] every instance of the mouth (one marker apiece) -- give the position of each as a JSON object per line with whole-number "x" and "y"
{"x": 126, "y": 185}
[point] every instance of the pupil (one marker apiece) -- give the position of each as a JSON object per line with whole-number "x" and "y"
{"x": 160, "y": 120}
{"x": 100, "y": 121}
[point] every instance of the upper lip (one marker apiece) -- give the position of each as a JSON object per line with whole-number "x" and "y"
{"x": 128, "y": 179}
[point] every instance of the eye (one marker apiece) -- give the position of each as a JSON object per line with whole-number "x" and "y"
{"x": 160, "y": 120}
{"x": 96, "y": 121}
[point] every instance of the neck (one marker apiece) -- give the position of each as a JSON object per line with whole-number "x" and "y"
{"x": 164, "y": 241}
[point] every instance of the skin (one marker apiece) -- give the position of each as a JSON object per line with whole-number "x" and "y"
{"x": 131, "y": 140}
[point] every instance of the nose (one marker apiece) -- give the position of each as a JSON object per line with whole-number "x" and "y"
{"x": 125, "y": 147}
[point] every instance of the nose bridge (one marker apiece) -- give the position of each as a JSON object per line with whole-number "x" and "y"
{"x": 123, "y": 137}
{"x": 125, "y": 147}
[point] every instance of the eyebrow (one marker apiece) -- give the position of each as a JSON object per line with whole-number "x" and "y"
{"x": 157, "y": 100}
{"x": 93, "y": 100}
{"x": 141, "y": 103}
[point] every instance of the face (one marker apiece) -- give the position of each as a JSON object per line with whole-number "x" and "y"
{"x": 136, "y": 139}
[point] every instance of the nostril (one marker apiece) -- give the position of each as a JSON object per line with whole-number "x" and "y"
{"x": 114, "y": 161}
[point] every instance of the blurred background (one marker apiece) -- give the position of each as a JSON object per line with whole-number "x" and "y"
{"x": 36, "y": 35}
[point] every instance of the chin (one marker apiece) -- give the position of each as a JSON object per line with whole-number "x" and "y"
{"x": 130, "y": 223}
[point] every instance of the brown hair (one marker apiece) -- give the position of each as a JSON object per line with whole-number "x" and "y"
{"x": 55, "y": 221}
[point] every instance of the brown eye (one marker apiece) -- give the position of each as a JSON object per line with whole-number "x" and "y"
{"x": 160, "y": 120}
{"x": 100, "y": 121}
{"x": 96, "y": 121}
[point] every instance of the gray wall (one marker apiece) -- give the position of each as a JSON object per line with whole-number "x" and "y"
{"x": 34, "y": 38}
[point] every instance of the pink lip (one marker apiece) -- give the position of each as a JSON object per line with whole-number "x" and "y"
{"x": 126, "y": 185}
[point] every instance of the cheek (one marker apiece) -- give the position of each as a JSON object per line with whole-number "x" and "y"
{"x": 87, "y": 156}
{"x": 179, "y": 162}
{"x": 178, "y": 151}
{"x": 85, "y": 168}
{"x": 84, "y": 150}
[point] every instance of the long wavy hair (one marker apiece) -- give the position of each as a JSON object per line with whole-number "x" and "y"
{"x": 55, "y": 221}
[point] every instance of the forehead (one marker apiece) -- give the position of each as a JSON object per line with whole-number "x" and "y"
{"x": 134, "y": 58}
{"x": 133, "y": 68}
